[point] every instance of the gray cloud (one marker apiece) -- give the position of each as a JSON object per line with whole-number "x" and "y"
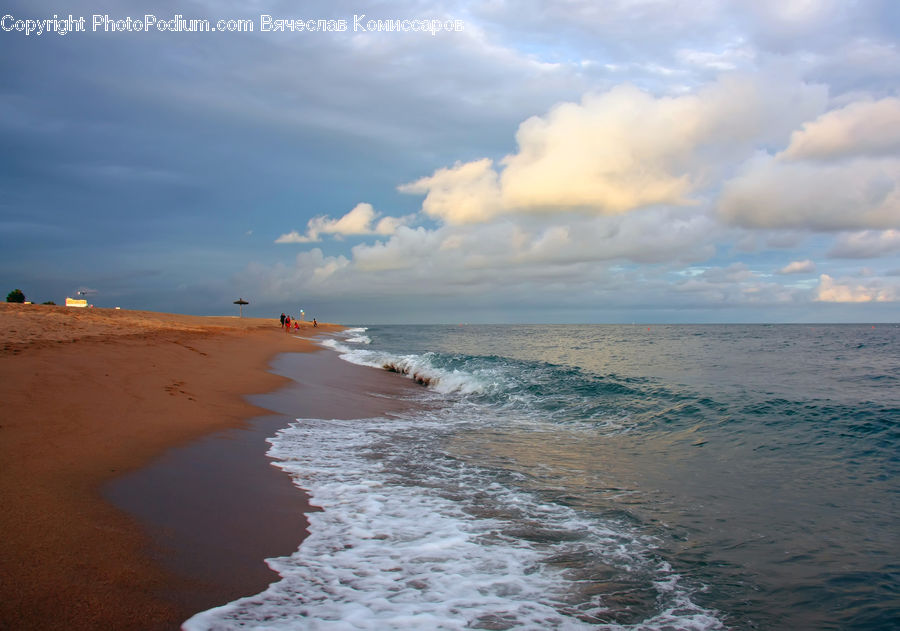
{"x": 866, "y": 244}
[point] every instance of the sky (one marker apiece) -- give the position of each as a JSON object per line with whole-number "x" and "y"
{"x": 573, "y": 162}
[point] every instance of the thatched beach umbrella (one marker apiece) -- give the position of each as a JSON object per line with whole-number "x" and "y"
{"x": 240, "y": 302}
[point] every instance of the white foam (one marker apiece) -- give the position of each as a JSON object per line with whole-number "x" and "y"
{"x": 412, "y": 539}
{"x": 333, "y": 344}
{"x": 356, "y": 335}
{"x": 419, "y": 368}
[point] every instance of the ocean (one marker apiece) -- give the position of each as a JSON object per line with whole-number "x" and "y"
{"x": 601, "y": 477}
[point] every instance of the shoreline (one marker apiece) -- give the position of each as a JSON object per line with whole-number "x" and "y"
{"x": 90, "y": 395}
{"x": 216, "y": 508}
{"x": 213, "y": 510}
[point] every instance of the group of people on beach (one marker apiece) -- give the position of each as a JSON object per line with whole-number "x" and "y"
{"x": 286, "y": 323}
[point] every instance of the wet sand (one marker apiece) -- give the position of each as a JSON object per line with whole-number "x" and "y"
{"x": 216, "y": 508}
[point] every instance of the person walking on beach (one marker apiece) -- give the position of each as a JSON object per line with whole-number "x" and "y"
{"x": 282, "y": 320}
{"x": 287, "y": 323}
{"x": 315, "y": 323}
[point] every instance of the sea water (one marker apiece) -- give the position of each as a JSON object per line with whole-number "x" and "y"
{"x": 601, "y": 477}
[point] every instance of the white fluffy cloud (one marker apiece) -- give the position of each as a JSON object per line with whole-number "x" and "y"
{"x": 862, "y": 128}
{"x": 609, "y": 154}
{"x": 839, "y": 172}
{"x": 463, "y": 193}
{"x": 359, "y": 221}
{"x": 621, "y": 150}
{"x": 775, "y": 193}
{"x": 652, "y": 236}
{"x": 850, "y": 290}
{"x": 409, "y": 249}
{"x": 625, "y": 185}
{"x": 798, "y": 267}
{"x": 496, "y": 258}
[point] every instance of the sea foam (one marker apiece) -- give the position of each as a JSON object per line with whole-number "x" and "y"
{"x": 418, "y": 367}
{"x": 356, "y": 335}
{"x": 411, "y": 538}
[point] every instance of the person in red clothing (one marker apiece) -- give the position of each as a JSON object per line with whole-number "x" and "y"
{"x": 287, "y": 323}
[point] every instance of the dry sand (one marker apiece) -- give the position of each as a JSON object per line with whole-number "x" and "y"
{"x": 88, "y": 395}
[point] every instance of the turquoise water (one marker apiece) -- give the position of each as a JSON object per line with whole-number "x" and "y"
{"x": 668, "y": 477}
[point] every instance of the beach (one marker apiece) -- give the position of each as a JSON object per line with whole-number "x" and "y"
{"x": 91, "y": 395}
{"x": 545, "y": 477}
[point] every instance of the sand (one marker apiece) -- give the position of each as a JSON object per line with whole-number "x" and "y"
{"x": 90, "y": 395}
{"x": 215, "y": 508}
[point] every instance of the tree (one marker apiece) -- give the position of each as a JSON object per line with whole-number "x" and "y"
{"x": 15, "y": 295}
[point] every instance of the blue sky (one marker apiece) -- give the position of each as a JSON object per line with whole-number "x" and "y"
{"x": 596, "y": 161}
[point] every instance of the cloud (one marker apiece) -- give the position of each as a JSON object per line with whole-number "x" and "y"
{"x": 652, "y": 236}
{"x": 809, "y": 26}
{"x": 733, "y": 285}
{"x": 798, "y": 267}
{"x": 732, "y": 57}
{"x": 620, "y": 178}
{"x": 358, "y": 221}
{"x": 408, "y": 249}
{"x": 621, "y": 150}
{"x": 463, "y": 193}
{"x": 626, "y": 187}
{"x": 866, "y": 244}
{"x": 505, "y": 261}
{"x": 311, "y": 271}
{"x": 862, "y": 128}
{"x": 831, "y": 290}
{"x": 840, "y": 171}
{"x": 734, "y": 273}
{"x": 609, "y": 154}
{"x": 863, "y": 193}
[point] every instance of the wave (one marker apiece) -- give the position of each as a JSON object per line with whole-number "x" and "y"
{"x": 412, "y": 538}
{"x": 356, "y": 335}
{"x": 548, "y": 391}
{"x": 420, "y": 368}
{"x": 556, "y": 481}
{"x": 612, "y": 403}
